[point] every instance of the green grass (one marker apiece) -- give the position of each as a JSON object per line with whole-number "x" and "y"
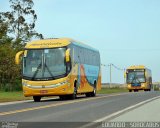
{"x": 18, "y": 95}
{"x": 12, "y": 96}
{"x": 112, "y": 90}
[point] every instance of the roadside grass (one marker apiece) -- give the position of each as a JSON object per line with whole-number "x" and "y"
{"x": 12, "y": 96}
{"x": 15, "y": 96}
{"x": 112, "y": 90}
{"x": 18, "y": 95}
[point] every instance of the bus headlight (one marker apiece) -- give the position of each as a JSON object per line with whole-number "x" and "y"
{"x": 59, "y": 84}
{"x": 64, "y": 82}
{"x": 129, "y": 86}
{"x": 47, "y": 86}
{"x": 143, "y": 85}
{"x": 25, "y": 84}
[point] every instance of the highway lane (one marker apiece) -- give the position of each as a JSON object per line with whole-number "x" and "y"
{"x": 80, "y": 110}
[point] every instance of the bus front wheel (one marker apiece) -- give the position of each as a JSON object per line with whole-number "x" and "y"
{"x": 36, "y": 98}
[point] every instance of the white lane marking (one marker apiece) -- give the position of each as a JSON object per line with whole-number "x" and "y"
{"x": 14, "y": 102}
{"x": 113, "y": 115}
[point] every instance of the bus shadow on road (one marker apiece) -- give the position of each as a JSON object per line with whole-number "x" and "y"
{"x": 51, "y": 99}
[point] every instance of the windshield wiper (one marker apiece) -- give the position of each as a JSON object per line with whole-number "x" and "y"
{"x": 49, "y": 71}
{"x": 34, "y": 75}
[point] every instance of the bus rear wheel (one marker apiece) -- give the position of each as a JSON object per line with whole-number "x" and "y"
{"x": 36, "y": 98}
{"x": 93, "y": 93}
{"x": 62, "y": 97}
{"x": 130, "y": 90}
{"x": 74, "y": 95}
{"x": 147, "y": 90}
{"x": 88, "y": 94}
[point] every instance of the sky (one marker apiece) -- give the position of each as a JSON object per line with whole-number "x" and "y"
{"x": 126, "y": 32}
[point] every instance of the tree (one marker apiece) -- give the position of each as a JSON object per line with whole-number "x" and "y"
{"x": 16, "y": 27}
{"x": 9, "y": 72}
{"x": 3, "y": 29}
{"x": 21, "y": 21}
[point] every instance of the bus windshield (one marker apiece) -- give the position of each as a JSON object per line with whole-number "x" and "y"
{"x": 135, "y": 77}
{"x": 44, "y": 64}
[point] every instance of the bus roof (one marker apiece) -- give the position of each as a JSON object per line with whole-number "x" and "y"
{"x": 48, "y": 43}
{"x": 80, "y": 44}
{"x": 55, "y": 42}
{"x": 137, "y": 67}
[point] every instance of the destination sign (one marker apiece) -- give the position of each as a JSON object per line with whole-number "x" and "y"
{"x": 135, "y": 70}
{"x": 42, "y": 44}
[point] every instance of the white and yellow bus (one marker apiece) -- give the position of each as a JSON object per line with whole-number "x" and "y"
{"x": 59, "y": 67}
{"x": 138, "y": 78}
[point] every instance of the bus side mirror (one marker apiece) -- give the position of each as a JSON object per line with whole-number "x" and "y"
{"x": 17, "y": 57}
{"x": 67, "y": 55}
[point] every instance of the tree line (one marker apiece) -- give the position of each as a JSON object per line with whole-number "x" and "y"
{"x": 17, "y": 27}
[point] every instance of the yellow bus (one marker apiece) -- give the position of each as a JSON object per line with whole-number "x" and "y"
{"x": 59, "y": 67}
{"x": 138, "y": 78}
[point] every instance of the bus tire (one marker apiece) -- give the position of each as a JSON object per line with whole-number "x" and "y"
{"x": 130, "y": 90}
{"x": 36, "y": 98}
{"x": 135, "y": 90}
{"x": 148, "y": 89}
{"x": 74, "y": 95}
{"x": 88, "y": 94}
{"x": 62, "y": 97}
{"x": 93, "y": 93}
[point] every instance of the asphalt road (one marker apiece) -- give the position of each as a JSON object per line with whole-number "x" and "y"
{"x": 81, "y": 112}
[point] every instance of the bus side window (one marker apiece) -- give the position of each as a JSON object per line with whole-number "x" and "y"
{"x": 77, "y": 57}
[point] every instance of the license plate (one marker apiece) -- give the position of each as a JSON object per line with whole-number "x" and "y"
{"x": 43, "y": 91}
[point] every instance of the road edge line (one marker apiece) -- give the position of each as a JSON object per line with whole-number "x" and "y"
{"x": 119, "y": 112}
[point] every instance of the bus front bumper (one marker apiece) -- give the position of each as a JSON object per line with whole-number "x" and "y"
{"x": 60, "y": 90}
{"x": 142, "y": 87}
